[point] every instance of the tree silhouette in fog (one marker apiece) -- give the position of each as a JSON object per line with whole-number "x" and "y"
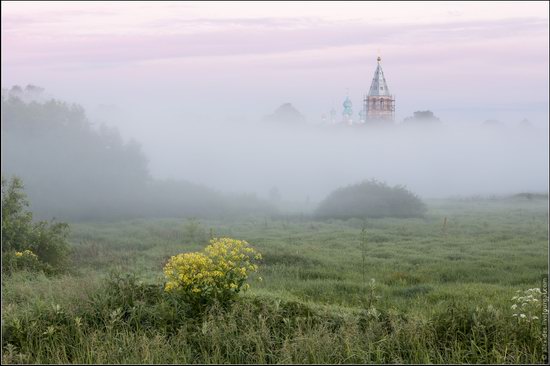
{"x": 73, "y": 170}
{"x": 370, "y": 199}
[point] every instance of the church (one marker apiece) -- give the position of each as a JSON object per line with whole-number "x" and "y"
{"x": 378, "y": 103}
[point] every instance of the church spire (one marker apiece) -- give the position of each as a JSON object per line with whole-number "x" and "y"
{"x": 379, "y": 104}
{"x": 379, "y": 87}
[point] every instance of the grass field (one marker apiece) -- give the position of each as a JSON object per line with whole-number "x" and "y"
{"x": 441, "y": 293}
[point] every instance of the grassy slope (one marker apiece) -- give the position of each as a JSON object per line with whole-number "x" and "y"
{"x": 489, "y": 250}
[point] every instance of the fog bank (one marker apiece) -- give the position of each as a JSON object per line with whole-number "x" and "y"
{"x": 447, "y": 159}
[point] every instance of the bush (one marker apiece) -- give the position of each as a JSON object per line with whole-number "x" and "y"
{"x": 26, "y": 244}
{"x": 14, "y": 261}
{"x": 370, "y": 199}
{"x": 217, "y": 275}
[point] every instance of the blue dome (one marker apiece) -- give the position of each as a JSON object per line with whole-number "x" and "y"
{"x": 348, "y": 112}
{"x": 347, "y": 103}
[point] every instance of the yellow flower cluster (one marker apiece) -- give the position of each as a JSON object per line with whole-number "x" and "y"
{"x": 25, "y": 259}
{"x": 26, "y": 253}
{"x": 218, "y": 273}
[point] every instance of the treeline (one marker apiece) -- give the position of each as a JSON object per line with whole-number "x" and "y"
{"x": 73, "y": 171}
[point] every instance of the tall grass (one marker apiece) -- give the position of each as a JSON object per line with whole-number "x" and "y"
{"x": 434, "y": 299}
{"x": 140, "y": 324}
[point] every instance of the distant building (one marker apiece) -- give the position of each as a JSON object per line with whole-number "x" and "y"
{"x": 347, "y": 114}
{"x": 379, "y": 104}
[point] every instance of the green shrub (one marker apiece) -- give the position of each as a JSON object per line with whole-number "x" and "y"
{"x": 370, "y": 199}
{"x": 124, "y": 298}
{"x": 14, "y": 261}
{"x": 46, "y": 241}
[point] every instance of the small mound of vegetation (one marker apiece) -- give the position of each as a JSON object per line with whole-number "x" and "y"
{"x": 531, "y": 196}
{"x": 370, "y": 199}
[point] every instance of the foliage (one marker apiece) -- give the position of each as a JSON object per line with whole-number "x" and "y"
{"x": 16, "y": 221}
{"x": 434, "y": 301}
{"x": 422, "y": 117}
{"x": 49, "y": 139}
{"x": 370, "y": 199}
{"x": 260, "y": 330}
{"x": 74, "y": 170}
{"x": 218, "y": 274}
{"x": 14, "y": 261}
{"x": 35, "y": 241}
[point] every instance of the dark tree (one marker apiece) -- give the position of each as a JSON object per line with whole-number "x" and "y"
{"x": 422, "y": 117}
{"x": 370, "y": 199}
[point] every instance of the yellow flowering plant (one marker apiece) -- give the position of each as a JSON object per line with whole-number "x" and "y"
{"x": 27, "y": 254}
{"x": 217, "y": 274}
{"x": 14, "y": 260}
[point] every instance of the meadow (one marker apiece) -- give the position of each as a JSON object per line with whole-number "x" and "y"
{"x": 436, "y": 289}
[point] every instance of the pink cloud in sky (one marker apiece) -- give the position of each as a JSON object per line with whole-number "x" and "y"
{"x": 481, "y": 54}
{"x": 253, "y": 36}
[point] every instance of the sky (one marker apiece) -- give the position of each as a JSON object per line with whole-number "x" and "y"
{"x": 243, "y": 59}
{"x": 172, "y": 74}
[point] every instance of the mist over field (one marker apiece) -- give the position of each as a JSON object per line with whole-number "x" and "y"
{"x": 436, "y": 160}
{"x": 71, "y": 158}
